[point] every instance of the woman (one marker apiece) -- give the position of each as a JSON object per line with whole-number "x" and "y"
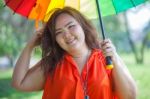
{"x": 73, "y": 63}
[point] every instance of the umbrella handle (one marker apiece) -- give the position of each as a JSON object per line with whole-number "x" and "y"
{"x": 108, "y": 58}
{"x": 109, "y": 63}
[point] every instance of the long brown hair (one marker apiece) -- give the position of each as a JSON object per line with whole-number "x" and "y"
{"x": 52, "y": 53}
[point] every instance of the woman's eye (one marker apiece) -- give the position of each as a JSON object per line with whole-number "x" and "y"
{"x": 59, "y": 32}
{"x": 71, "y": 26}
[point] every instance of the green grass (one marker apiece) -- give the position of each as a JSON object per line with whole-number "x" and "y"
{"x": 7, "y": 92}
{"x": 140, "y": 73}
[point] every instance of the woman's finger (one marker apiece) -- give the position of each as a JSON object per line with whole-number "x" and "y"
{"x": 106, "y": 45}
{"x": 108, "y": 51}
{"x": 108, "y": 48}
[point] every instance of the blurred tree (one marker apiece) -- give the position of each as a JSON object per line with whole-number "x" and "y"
{"x": 145, "y": 41}
{"x": 8, "y": 44}
{"x": 1, "y": 4}
{"x": 115, "y": 30}
{"x": 138, "y": 50}
{"x": 14, "y": 31}
{"x": 132, "y": 44}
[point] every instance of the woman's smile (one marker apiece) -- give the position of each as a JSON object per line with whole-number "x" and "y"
{"x": 71, "y": 41}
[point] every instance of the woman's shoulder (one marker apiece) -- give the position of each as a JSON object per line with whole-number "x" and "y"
{"x": 97, "y": 52}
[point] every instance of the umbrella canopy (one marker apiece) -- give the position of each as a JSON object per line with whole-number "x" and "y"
{"x": 39, "y": 9}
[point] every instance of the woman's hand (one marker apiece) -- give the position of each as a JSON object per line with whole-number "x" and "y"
{"x": 26, "y": 78}
{"x": 108, "y": 48}
{"x": 124, "y": 84}
{"x": 36, "y": 38}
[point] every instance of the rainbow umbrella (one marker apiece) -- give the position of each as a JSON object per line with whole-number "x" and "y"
{"x": 39, "y": 10}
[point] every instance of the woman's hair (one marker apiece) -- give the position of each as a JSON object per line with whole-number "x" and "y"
{"x": 52, "y": 53}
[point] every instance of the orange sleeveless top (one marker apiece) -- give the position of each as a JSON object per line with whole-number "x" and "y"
{"x": 66, "y": 82}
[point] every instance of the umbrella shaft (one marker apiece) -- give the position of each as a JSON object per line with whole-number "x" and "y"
{"x": 100, "y": 19}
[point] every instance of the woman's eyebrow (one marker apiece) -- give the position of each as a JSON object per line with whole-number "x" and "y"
{"x": 68, "y": 23}
{"x": 65, "y": 25}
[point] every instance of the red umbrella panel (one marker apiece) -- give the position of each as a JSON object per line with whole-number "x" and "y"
{"x": 22, "y": 7}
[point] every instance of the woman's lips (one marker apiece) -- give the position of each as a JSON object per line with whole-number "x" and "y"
{"x": 71, "y": 41}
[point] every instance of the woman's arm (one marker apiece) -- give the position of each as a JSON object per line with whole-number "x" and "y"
{"x": 25, "y": 78}
{"x": 124, "y": 84}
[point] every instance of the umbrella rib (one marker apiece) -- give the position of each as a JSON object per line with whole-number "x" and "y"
{"x": 18, "y": 6}
{"x": 7, "y": 2}
{"x": 30, "y": 11}
{"x": 133, "y": 3}
{"x": 114, "y": 6}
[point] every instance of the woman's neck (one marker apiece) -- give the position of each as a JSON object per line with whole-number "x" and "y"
{"x": 80, "y": 53}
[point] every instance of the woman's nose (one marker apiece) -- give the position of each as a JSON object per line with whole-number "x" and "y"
{"x": 66, "y": 33}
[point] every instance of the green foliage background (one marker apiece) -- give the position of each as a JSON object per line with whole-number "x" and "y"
{"x": 15, "y": 31}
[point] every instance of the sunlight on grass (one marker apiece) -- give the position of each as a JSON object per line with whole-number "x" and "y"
{"x": 5, "y": 73}
{"x": 141, "y": 75}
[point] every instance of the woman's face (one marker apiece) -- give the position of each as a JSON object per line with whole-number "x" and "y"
{"x": 69, "y": 33}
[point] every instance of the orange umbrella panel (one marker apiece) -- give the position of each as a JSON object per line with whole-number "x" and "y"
{"x": 39, "y": 10}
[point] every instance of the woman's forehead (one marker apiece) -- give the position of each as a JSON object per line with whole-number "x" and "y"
{"x": 64, "y": 19}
